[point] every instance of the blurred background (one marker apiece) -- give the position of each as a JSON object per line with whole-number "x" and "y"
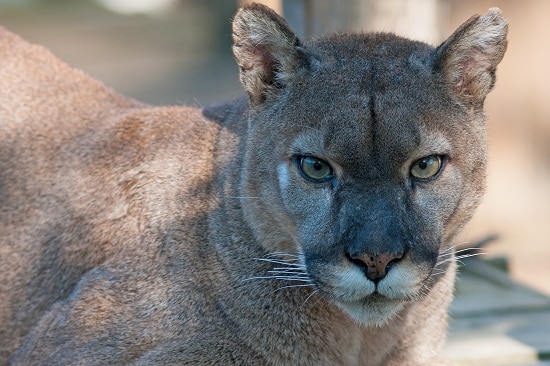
{"x": 179, "y": 52}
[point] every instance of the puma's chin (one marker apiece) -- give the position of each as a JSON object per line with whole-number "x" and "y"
{"x": 375, "y": 310}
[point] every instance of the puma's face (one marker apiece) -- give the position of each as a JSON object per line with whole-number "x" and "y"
{"x": 365, "y": 155}
{"x": 368, "y": 171}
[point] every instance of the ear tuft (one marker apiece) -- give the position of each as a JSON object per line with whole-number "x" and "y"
{"x": 469, "y": 57}
{"x": 266, "y": 50}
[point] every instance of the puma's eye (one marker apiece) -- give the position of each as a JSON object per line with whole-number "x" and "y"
{"x": 314, "y": 168}
{"x": 427, "y": 167}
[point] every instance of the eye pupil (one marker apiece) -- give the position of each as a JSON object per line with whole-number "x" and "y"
{"x": 314, "y": 169}
{"x": 426, "y": 168}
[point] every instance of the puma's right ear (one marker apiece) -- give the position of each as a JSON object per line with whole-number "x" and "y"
{"x": 266, "y": 50}
{"x": 469, "y": 57}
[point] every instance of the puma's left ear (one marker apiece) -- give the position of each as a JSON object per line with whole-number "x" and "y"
{"x": 266, "y": 50}
{"x": 469, "y": 57}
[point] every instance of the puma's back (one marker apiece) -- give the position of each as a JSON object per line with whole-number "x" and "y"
{"x": 310, "y": 222}
{"x": 79, "y": 180}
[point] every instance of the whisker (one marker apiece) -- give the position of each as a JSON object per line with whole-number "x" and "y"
{"x": 450, "y": 249}
{"x": 443, "y": 262}
{"x": 443, "y": 254}
{"x": 468, "y": 249}
{"x": 283, "y": 278}
{"x": 282, "y": 254}
{"x": 299, "y": 277}
{"x": 287, "y": 267}
{"x": 277, "y": 261}
{"x": 320, "y": 296}
{"x": 469, "y": 255}
{"x": 437, "y": 273}
{"x": 458, "y": 258}
{"x": 293, "y": 268}
{"x": 242, "y": 197}
{"x": 294, "y": 286}
{"x": 313, "y": 293}
{"x": 458, "y": 245}
{"x": 448, "y": 255}
{"x": 287, "y": 272}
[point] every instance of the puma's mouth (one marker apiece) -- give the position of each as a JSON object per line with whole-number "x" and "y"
{"x": 369, "y": 302}
{"x": 350, "y": 283}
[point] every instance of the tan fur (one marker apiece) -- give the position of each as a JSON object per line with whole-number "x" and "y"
{"x": 132, "y": 234}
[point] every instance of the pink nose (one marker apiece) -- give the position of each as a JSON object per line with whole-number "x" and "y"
{"x": 376, "y": 265}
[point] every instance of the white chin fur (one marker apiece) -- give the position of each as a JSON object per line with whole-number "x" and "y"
{"x": 372, "y": 312}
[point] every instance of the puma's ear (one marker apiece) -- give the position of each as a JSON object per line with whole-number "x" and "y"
{"x": 266, "y": 50}
{"x": 469, "y": 57}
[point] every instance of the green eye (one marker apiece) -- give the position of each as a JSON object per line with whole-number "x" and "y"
{"x": 314, "y": 168}
{"x": 427, "y": 167}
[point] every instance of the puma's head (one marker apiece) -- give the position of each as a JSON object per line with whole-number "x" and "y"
{"x": 367, "y": 152}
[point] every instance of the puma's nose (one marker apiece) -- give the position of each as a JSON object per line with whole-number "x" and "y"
{"x": 375, "y": 266}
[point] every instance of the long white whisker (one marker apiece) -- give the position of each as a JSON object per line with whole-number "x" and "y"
{"x": 443, "y": 255}
{"x": 457, "y": 258}
{"x": 299, "y": 277}
{"x": 450, "y": 249}
{"x": 277, "y": 261}
{"x": 468, "y": 249}
{"x": 469, "y": 255}
{"x": 294, "y": 286}
{"x": 287, "y": 267}
{"x": 283, "y": 278}
{"x": 242, "y": 197}
{"x": 293, "y": 268}
{"x": 443, "y": 262}
{"x": 286, "y": 272}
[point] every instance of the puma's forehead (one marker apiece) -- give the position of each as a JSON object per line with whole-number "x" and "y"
{"x": 372, "y": 127}
{"x": 355, "y": 108}
{"x": 361, "y": 152}
{"x": 386, "y": 49}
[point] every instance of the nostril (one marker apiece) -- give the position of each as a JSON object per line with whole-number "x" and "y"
{"x": 375, "y": 266}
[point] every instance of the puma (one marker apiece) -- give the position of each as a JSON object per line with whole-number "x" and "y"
{"x": 310, "y": 222}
